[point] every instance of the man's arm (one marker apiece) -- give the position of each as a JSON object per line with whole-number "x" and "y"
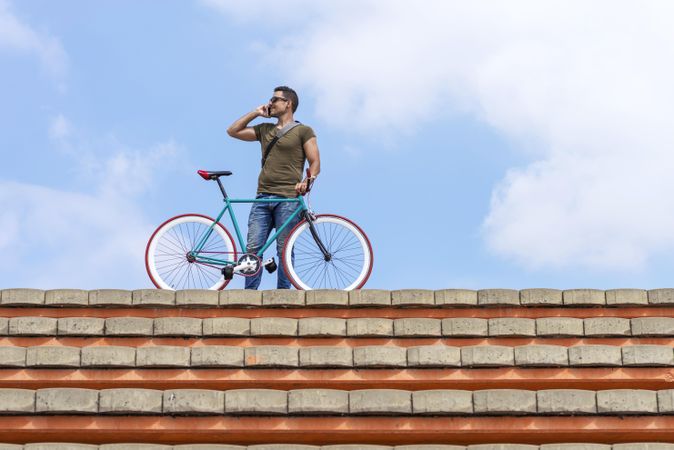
{"x": 314, "y": 159}
{"x": 240, "y": 128}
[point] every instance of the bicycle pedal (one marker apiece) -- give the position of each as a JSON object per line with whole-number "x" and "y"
{"x": 228, "y": 272}
{"x": 270, "y": 265}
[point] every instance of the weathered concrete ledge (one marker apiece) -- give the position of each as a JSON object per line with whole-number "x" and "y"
{"x": 325, "y": 356}
{"x": 153, "y": 298}
{"x": 328, "y": 327}
{"x": 318, "y": 402}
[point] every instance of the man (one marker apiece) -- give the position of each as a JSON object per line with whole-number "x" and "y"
{"x": 281, "y": 174}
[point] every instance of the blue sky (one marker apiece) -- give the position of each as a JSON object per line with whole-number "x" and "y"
{"x": 479, "y": 145}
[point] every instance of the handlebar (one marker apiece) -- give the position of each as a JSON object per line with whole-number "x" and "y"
{"x": 310, "y": 181}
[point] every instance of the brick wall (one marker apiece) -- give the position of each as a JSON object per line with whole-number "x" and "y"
{"x": 373, "y": 369}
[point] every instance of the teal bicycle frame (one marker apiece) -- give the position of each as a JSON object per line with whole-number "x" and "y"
{"x": 195, "y": 253}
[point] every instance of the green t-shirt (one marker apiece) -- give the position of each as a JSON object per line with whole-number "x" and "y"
{"x": 285, "y": 163}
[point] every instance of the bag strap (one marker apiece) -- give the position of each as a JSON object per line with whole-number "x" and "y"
{"x": 279, "y": 134}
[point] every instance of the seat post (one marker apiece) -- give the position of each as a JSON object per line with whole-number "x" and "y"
{"x": 222, "y": 188}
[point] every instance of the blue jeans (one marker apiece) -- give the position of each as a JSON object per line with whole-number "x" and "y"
{"x": 263, "y": 217}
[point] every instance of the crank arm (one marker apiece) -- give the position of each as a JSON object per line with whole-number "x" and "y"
{"x": 241, "y": 267}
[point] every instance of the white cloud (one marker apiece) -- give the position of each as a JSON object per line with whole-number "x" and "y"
{"x": 90, "y": 239}
{"x": 584, "y": 87}
{"x": 18, "y": 36}
{"x": 268, "y": 14}
{"x": 60, "y": 128}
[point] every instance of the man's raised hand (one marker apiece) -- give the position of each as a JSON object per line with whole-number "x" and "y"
{"x": 262, "y": 110}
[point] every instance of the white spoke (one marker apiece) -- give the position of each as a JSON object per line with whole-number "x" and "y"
{"x": 351, "y": 256}
{"x": 167, "y": 254}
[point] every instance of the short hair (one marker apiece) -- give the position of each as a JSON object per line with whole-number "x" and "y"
{"x": 290, "y": 95}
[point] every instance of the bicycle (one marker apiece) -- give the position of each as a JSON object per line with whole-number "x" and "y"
{"x": 194, "y": 251}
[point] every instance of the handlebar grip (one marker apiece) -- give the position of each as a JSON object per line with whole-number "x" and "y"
{"x": 310, "y": 182}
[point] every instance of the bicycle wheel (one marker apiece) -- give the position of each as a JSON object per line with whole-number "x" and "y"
{"x": 351, "y": 259}
{"x": 166, "y": 255}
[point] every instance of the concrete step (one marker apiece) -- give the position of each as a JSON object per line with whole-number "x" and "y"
{"x": 326, "y": 356}
{"x": 334, "y": 327}
{"x": 322, "y": 402}
{"x": 329, "y": 298}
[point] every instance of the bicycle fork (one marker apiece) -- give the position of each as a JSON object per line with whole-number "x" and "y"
{"x": 310, "y": 220}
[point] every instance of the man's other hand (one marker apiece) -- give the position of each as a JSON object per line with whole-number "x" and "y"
{"x": 301, "y": 188}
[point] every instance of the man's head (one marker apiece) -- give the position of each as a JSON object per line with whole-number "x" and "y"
{"x": 284, "y": 98}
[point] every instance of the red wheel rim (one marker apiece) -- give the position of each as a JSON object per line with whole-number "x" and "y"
{"x": 367, "y": 240}
{"x": 147, "y": 247}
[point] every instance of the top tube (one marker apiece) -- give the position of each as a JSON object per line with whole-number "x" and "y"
{"x": 265, "y": 200}
{"x": 302, "y": 206}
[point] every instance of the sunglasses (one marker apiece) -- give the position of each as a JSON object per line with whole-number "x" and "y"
{"x": 275, "y": 99}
